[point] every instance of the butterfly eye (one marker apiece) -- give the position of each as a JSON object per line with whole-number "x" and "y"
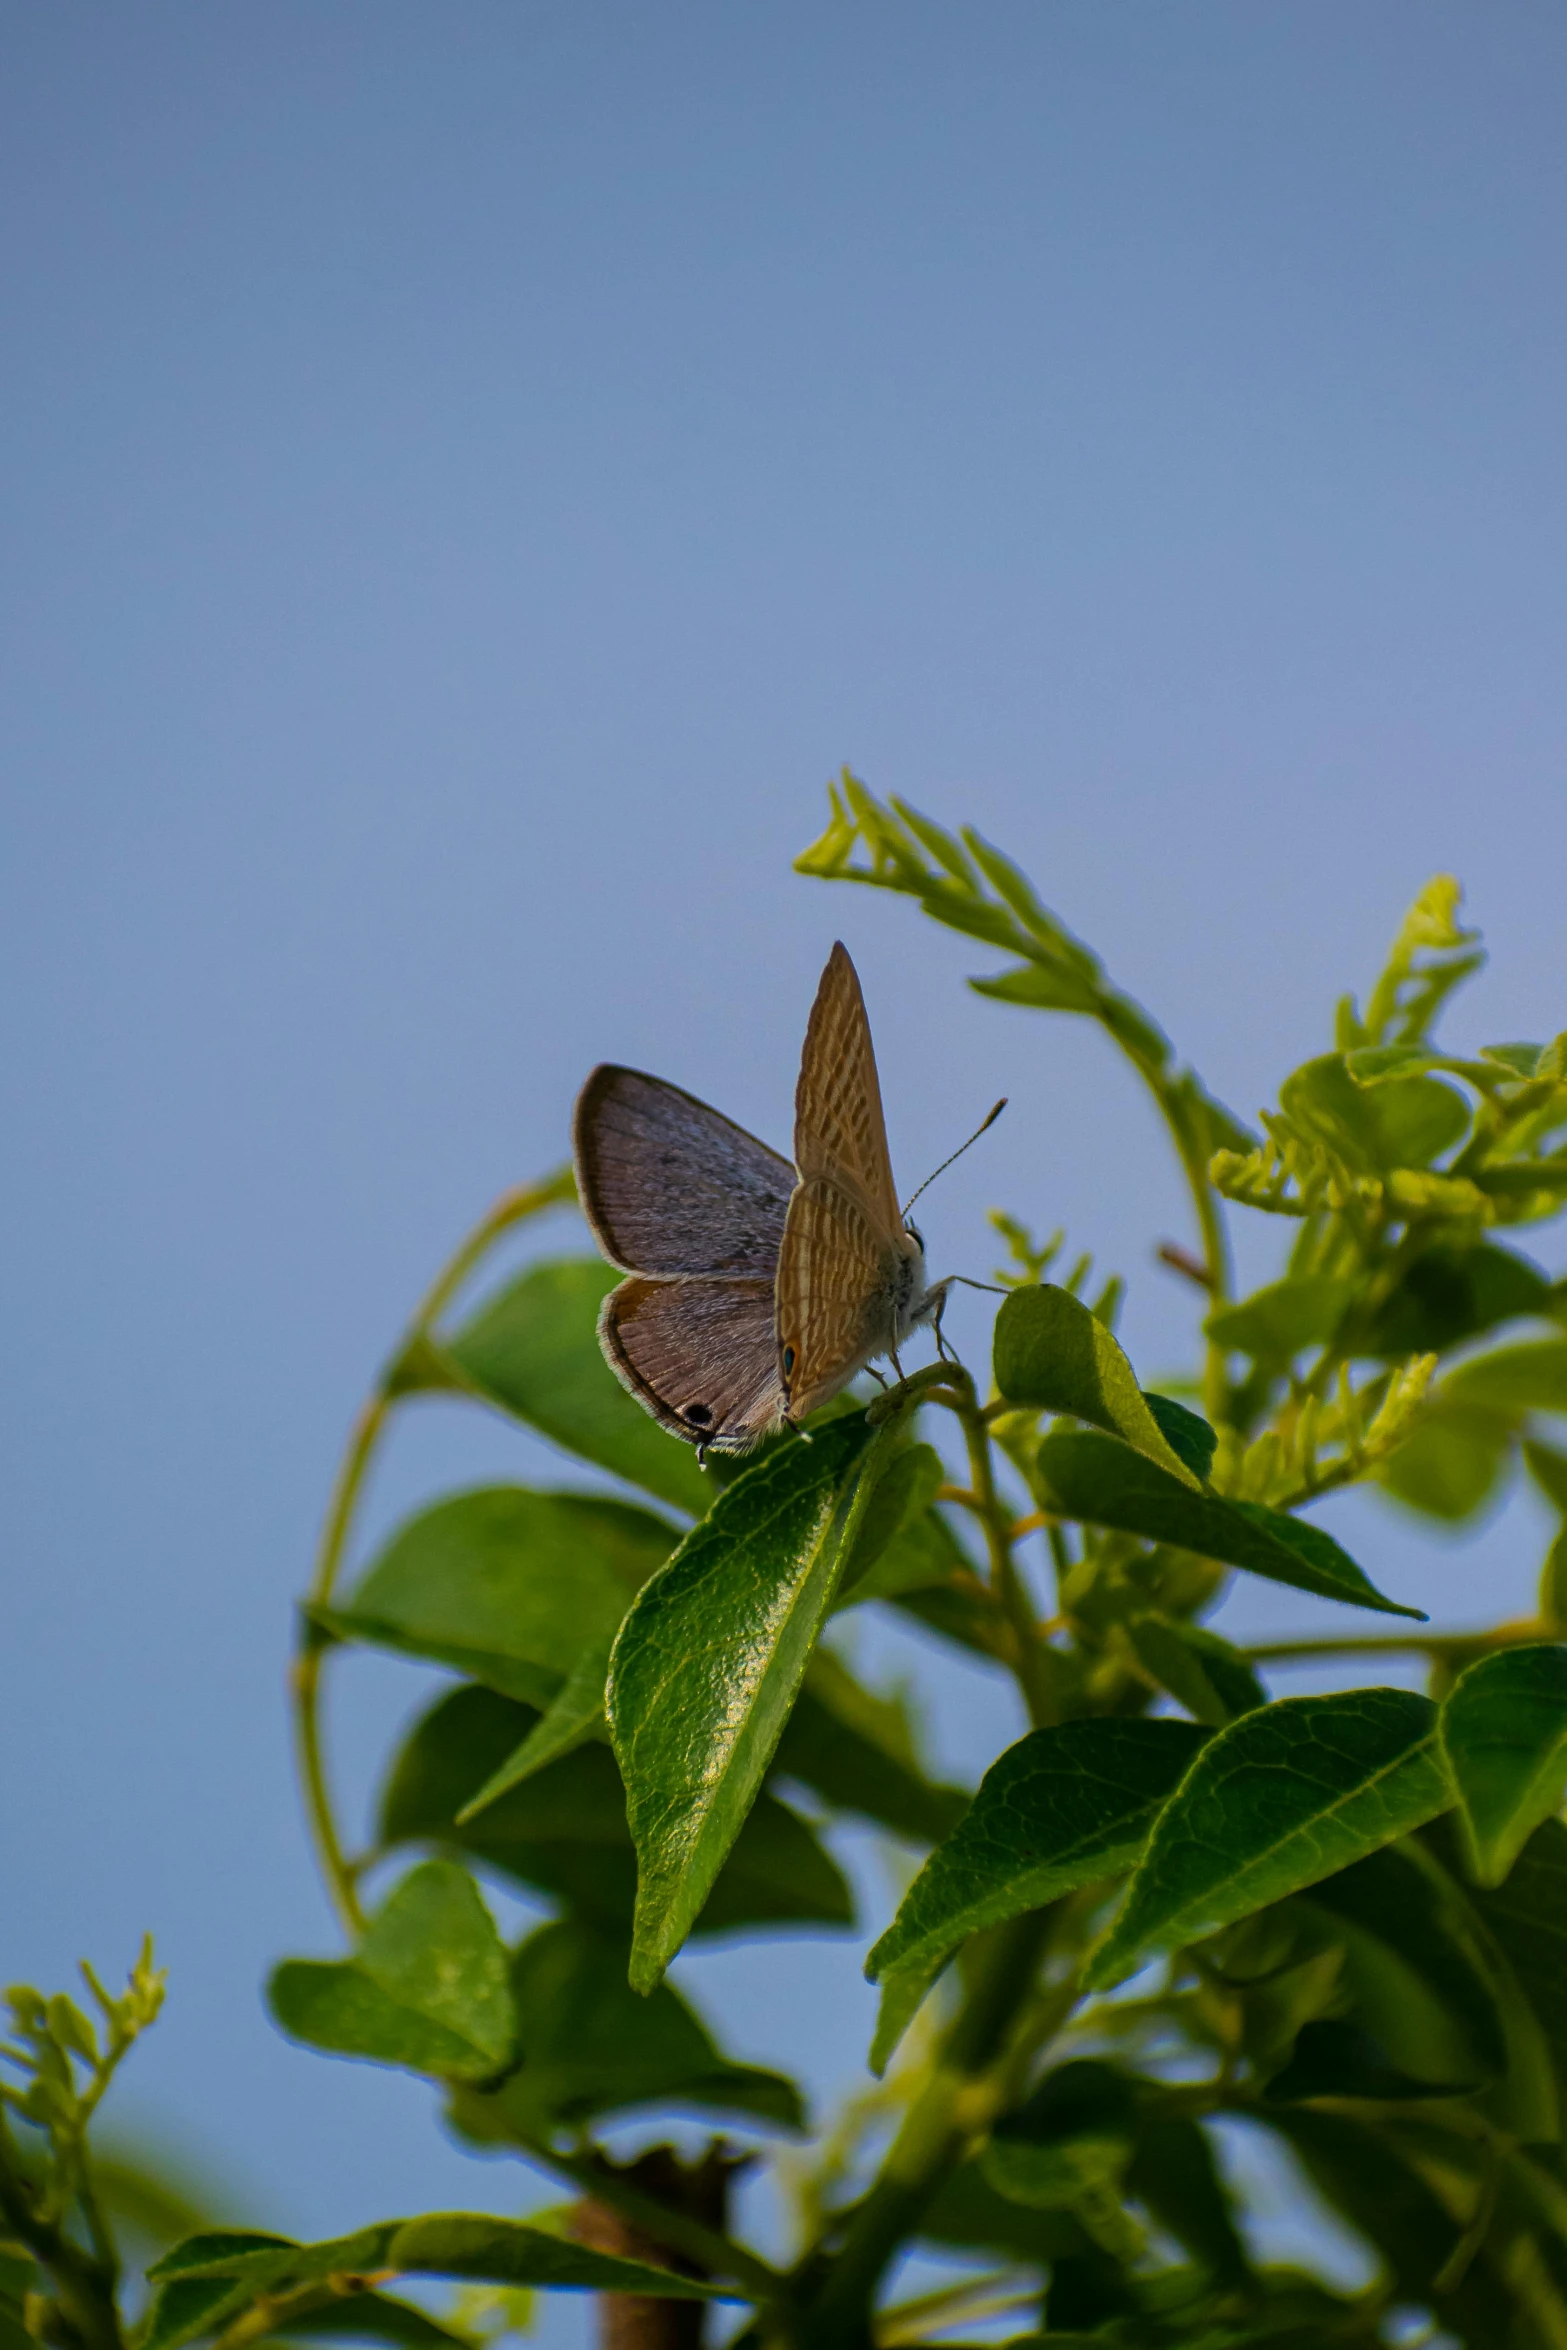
{"x": 916, "y": 1235}
{"x": 788, "y": 1360}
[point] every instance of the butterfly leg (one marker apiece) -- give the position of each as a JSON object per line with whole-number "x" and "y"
{"x": 876, "y": 1375}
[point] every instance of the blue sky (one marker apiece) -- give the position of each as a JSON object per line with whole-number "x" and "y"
{"x": 470, "y": 474}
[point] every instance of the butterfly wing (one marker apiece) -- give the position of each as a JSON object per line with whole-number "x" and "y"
{"x": 840, "y": 1134}
{"x": 700, "y": 1355}
{"x": 669, "y": 1186}
{"x": 838, "y": 1284}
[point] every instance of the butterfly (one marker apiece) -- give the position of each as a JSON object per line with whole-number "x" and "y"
{"x": 756, "y": 1289}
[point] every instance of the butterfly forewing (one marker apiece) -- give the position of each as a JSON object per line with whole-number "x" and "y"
{"x": 700, "y": 1354}
{"x": 669, "y": 1186}
{"x": 837, "y": 1280}
{"x": 839, "y": 1130}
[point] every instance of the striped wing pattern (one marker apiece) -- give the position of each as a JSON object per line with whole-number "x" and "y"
{"x": 839, "y": 1130}
{"x": 836, "y": 1282}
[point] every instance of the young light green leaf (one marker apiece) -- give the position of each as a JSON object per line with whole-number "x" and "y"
{"x": 1282, "y": 1798}
{"x": 1062, "y": 1808}
{"x": 1452, "y": 1460}
{"x": 1504, "y": 1732}
{"x": 1102, "y": 1483}
{"x": 508, "y": 1585}
{"x": 710, "y": 1660}
{"x": 1518, "y": 1379}
{"x": 1275, "y": 1324}
{"x": 428, "y": 1987}
{"x": 1052, "y": 1354}
{"x": 533, "y": 1349}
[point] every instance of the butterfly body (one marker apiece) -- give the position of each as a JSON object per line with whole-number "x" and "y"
{"x": 756, "y": 1289}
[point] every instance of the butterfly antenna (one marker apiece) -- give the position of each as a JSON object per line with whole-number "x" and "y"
{"x": 982, "y": 1128}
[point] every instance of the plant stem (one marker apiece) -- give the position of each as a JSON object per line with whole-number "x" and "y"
{"x": 963, "y": 2095}
{"x": 1007, "y": 1584}
{"x": 1402, "y": 1643}
{"x": 84, "y": 2282}
{"x": 512, "y": 1208}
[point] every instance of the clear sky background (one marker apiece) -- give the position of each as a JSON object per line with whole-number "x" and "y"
{"x": 469, "y": 474}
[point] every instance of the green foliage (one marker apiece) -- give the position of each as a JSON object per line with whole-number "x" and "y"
{"x": 1181, "y": 1897}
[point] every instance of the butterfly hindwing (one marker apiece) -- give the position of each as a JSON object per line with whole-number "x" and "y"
{"x": 700, "y": 1355}
{"x": 670, "y": 1186}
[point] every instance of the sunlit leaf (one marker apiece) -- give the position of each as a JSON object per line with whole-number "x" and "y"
{"x": 710, "y": 1660}
{"x": 1504, "y": 1732}
{"x": 1052, "y": 1354}
{"x": 1091, "y": 1477}
{"x": 1277, "y": 1801}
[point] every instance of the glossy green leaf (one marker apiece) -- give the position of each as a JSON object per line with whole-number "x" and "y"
{"x": 1053, "y": 1355}
{"x": 1062, "y": 1808}
{"x": 1277, "y": 1323}
{"x": 508, "y": 1586}
{"x": 563, "y": 1830}
{"x": 533, "y": 1349}
{"x": 856, "y": 1751}
{"x": 1450, "y": 1294}
{"x": 592, "y": 2046}
{"x": 710, "y": 1660}
{"x": 1090, "y": 1477}
{"x": 1202, "y": 1672}
{"x": 1186, "y": 1432}
{"x": 1504, "y": 1732}
{"x": 1527, "y": 1378}
{"x": 1074, "y": 2133}
{"x": 467, "y": 2245}
{"x": 1279, "y": 1800}
{"x": 427, "y": 1989}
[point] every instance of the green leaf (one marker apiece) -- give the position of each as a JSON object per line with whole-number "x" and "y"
{"x": 592, "y": 2046}
{"x": 710, "y": 1660}
{"x": 1527, "y": 1378}
{"x": 1339, "y": 2059}
{"x": 1187, "y": 1433}
{"x": 1063, "y": 1807}
{"x": 1527, "y": 1913}
{"x": 1548, "y": 1467}
{"x": 1052, "y": 1354}
{"x": 899, "y": 1505}
{"x": 507, "y": 1585}
{"x": 574, "y": 1713}
{"x": 856, "y": 1751}
{"x": 1449, "y": 1464}
{"x": 1173, "y": 2172}
{"x": 1450, "y": 1294}
{"x": 1276, "y": 1324}
{"x": 428, "y": 1988}
{"x": 563, "y": 1830}
{"x": 1279, "y": 1800}
{"x": 1504, "y": 1732}
{"x": 1200, "y": 1671}
{"x": 533, "y": 1349}
{"x": 968, "y": 2213}
{"x": 1043, "y": 987}
{"x": 1073, "y": 2134}
{"x": 467, "y": 2245}
{"x": 1403, "y": 1122}
{"x": 1092, "y": 1478}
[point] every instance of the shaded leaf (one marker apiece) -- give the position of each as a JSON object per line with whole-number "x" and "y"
{"x": 1277, "y": 1323}
{"x": 1337, "y": 2059}
{"x": 900, "y": 1502}
{"x": 1174, "y": 2173}
{"x": 1517, "y": 1379}
{"x": 1052, "y": 1354}
{"x": 1200, "y": 1670}
{"x": 563, "y": 1830}
{"x": 1279, "y": 1800}
{"x": 591, "y": 2046}
{"x": 507, "y": 1585}
{"x": 1504, "y": 1732}
{"x": 1072, "y": 2134}
{"x": 1527, "y": 1913}
{"x": 427, "y": 1988}
{"x": 1450, "y": 1294}
{"x": 1103, "y": 1483}
{"x": 709, "y": 1662}
{"x": 1062, "y": 1808}
{"x": 574, "y": 1713}
{"x": 1187, "y": 1433}
{"x": 1449, "y": 1464}
{"x": 533, "y": 1349}
{"x": 856, "y": 1752}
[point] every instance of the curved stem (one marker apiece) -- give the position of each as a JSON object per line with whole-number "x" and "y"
{"x": 512, "y": 1208}
{"x": 1516, "y": 1635}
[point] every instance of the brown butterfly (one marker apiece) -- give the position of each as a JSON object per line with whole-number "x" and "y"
{"x": 757, "y": 1290}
